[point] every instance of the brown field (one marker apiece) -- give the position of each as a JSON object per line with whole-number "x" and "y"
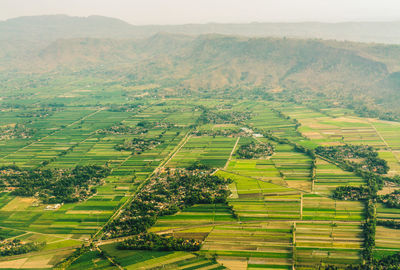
{"x": 230, "y": 263}
{"x": 19, "y": 203}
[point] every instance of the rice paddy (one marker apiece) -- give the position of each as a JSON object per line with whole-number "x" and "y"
{"x": 277, "y": 217}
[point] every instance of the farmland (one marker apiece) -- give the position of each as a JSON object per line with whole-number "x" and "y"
{"x": 195, "y": 147}
{"x": 279, "y": 212}
{"x": 207, "y": 150}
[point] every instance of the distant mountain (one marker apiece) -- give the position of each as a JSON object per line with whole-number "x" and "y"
{"x": 97, "y": 46}
{"x": 379, "y": 32}
{"x": 336, "y": 69}
{"x": 52, "y": 27}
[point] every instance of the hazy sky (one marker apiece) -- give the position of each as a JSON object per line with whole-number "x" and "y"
{"x": 202, "y": 11}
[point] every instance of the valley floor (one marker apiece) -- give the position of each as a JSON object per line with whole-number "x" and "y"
{"x": 280, "y": 213}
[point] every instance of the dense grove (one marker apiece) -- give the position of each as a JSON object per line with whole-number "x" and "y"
{"x": 125, "y": 107}
{"x": 255, "y": 150}
{"x": 122, "y": 129}
{"x": 151, "y": 241}
{"x": 40, "y": 113}
{"x": 17, "y": 131}
{"x": 16, "y": 247}
{"x": 388, "y": 223}
{"x": 215, "y": 116}
{"x": 198, "y": 166}
{"x": 221, "y": 132}
{"x": 369, "y": 228}
{"x": 374, "y": 183}
{"x": 351, "y": 193}
{"x": 138, "y": 145}
{"x": 391, "y": 200}
{"x": 166, "y": 194}
{"x": 390, "y": 262}
{"x": 51, "y": 185}
{"x": 358, "y": 156}
{"x": 160, "y": 124}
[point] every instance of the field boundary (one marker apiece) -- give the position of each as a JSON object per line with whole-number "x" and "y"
{"x": 132, "y": 196}
{"x": 232, "y": 152}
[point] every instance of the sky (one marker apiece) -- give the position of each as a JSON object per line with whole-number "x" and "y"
{"x": 203, "y": 11}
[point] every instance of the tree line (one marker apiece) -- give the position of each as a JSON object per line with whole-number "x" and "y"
{"x": 16, "y": 247}
{"x": 151, "y": 241}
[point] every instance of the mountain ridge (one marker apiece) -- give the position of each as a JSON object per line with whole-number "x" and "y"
{"x": 214, "y": 61}
{"x": 64, "y": 26}
{"x": 340, "y": 70}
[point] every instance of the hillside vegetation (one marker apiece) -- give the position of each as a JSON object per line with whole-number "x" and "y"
{"x": 51, "y": 27}
{"x": 359, "y": 76}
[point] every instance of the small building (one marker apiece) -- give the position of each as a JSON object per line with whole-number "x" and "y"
{"x": 53, "y": 207}
{"x": 247, "y": 130}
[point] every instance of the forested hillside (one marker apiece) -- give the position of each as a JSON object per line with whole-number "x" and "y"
{"x": 51, "y": 27}
{"x": 364, "y": 77}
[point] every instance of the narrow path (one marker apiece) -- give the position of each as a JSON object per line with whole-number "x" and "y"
{"x": 98, "y": 235}
{"x": 233, "y": 151}
{"x": 281, "y": 174}
{"x": 294, "y": 257}
{"x": 180, "y": 145}
{"x": 37, "y": 253}
{"x": 89, "y": 136}
{"x": 113, "y": 262}
{"x": 48, "y": 234}
{"x": 301, "y": 206}
{"x": 384, "y": 141}
{"x": 266, "y": 181}
{"x": 380, "y": 136}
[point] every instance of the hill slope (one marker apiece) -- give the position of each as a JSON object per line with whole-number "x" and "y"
{"x": 338, "y": 70}
{"x": 52, "y": 27}
{"x": 359, "y": 73}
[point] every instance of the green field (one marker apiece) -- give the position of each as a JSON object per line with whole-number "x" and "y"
{"x": 277, "y": 215}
